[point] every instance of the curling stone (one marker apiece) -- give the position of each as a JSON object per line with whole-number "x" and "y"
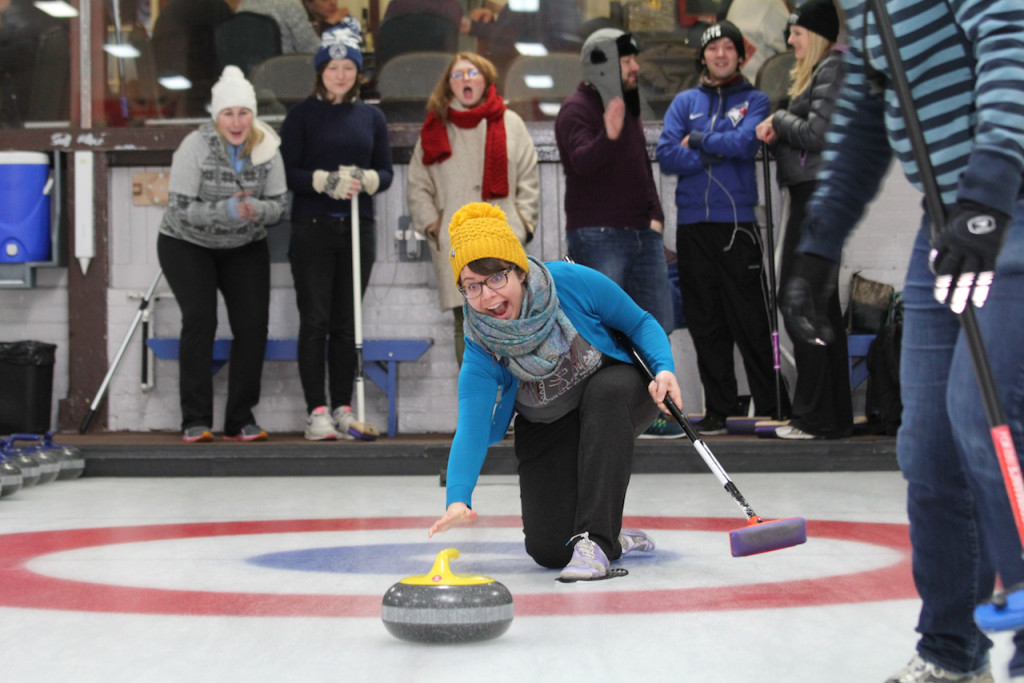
{"x": 442, "y": 607}
{"x": 49, "y": 464}
{"x": 28, "y": 465}
{"x": 10, "y": 477}
{"x": 72, "y": 462}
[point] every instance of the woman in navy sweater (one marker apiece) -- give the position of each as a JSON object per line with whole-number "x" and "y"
{"x": 334, "y": 147}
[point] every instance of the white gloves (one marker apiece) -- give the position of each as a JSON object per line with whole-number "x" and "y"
{"x": 345, "y": 182}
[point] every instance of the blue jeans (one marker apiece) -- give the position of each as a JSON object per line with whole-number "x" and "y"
{"x": 961, "y": 526}
{"x": 635, "y": 259}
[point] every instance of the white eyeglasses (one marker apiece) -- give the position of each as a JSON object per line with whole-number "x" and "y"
{"x": 459, "y": 75}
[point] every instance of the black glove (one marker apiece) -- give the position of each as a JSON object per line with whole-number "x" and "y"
{"x": 963, "y": 255}
{"x": 805, "y": 298}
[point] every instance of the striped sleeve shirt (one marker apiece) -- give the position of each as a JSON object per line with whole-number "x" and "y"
{"x": 965, "y": 63}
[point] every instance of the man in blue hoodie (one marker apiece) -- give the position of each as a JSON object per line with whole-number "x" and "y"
{"x": 709, "y": 141}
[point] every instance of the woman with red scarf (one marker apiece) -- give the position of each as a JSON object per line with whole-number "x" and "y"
{"x": 470, "y": 149}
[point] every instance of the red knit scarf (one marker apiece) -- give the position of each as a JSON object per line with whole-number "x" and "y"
{"x": 437, "y": 148}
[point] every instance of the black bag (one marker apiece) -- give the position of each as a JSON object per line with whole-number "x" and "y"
{"x": 870, "y": 305}
{"x": 882, "y": 403}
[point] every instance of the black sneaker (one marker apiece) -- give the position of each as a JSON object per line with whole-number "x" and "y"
{"x": 711, "y": 425}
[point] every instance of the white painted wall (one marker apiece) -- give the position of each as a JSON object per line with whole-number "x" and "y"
{"x": 400, "y": 303}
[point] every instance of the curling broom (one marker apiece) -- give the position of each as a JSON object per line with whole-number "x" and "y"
{"x": 759, "y": 536}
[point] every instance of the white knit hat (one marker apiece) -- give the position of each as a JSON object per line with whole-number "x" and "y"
{"x": 232, "y": 90}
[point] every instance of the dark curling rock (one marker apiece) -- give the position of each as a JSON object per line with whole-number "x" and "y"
{"x": 72, "y": 462}
{"x": 10, "y": 478}
{"x": 30, "y": 471}
{"x": 442, "y": 607}
{"x": 49, "y": 465}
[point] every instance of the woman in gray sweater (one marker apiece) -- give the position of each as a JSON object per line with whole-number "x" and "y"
{"x": 822, "y": 407}
{"x": 227, "y": 185}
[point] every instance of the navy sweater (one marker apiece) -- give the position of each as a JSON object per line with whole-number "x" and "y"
{"x": 317, "y": 135}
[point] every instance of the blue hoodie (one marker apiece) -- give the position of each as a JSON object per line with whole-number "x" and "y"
{"x": 717, "y": 182}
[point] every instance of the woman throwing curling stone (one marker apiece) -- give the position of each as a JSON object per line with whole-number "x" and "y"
{"x": 541, "y": 340}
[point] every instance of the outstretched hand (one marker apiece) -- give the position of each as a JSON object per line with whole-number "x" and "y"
{"x": 457, "y": 513}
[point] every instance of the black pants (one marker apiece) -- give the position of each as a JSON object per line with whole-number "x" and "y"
{"x": 821, "y": 399}
{"x": 573, "y": 473}
{"x": 321, "y": 256}
{"x": 721, "y": 280}
{"x": 242, "y": 275}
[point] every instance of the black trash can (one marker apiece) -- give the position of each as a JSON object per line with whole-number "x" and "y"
{"x": 26, "y": 386}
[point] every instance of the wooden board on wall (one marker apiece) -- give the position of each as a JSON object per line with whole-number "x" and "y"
{"x": 150, "y": 188}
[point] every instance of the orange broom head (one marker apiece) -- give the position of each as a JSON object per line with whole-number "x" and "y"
{"x": 760, "y": 536}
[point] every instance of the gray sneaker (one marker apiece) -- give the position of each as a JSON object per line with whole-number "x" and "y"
{"x": 199, "y": 434}
{"x": 920, "y": 671}
{"x": 588, "y": 562}
{"x": 635, "y": 539}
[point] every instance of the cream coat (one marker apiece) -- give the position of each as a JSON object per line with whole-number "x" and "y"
{"x": 439, "y": 190}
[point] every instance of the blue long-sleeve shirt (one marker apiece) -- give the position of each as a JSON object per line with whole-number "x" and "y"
{"x": 965, "y": 64}
{"x": 597, "y": 308}
{"x": 320, "y": 136}
{"x": 717, "y": 180}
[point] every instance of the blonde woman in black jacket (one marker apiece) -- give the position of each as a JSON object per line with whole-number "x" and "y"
{"x": 821, "y": 401}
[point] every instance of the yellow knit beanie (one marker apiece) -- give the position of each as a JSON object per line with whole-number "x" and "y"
{"x": 480, "y": 230}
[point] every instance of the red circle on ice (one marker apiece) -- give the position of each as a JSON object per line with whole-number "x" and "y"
{"x": 21, "y": 587}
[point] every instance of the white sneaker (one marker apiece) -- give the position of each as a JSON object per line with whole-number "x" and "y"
{"x": 348, "y": 427}
{"x": 791, "y": 432}
{"x": 319, "y": 425}
{"x": 588, "y": 561}
{"x": 923, "y": 671}
{"x": 635, "y": 539}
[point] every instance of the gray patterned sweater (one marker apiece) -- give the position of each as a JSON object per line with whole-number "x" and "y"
{"x": 203, "y": 181}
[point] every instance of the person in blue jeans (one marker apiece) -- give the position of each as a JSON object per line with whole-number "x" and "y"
{"x": 614, "y": 221}
{"x": 709, "y": 142}
{"x": 967, "y": 55}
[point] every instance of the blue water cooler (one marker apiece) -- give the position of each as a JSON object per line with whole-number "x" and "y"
{"x": 25, "y": 183}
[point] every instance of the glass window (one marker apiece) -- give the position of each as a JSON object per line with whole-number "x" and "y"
{"x": 154, "y": 61}
{"x": 35, "y": 63}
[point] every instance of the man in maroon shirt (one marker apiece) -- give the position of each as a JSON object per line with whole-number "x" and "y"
{"x": 614, "y": 220}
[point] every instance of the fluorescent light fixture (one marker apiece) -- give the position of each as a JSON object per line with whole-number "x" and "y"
{"x": 175, "y": 82}
{"x": 549, "y": 108}
{"x": 524, "y": 5}
{"x": 122, "y": 51}
{"x": 539, "y": 81}
{"x": 532, "y": 49}
{"x": 56, "y": 8}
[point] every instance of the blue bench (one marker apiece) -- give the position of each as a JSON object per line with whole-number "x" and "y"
{"x": 380, "y": 360}
{"x": 857, "y": 350}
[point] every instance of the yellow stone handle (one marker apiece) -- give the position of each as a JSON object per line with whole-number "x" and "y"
{"x": 442, "y": 575}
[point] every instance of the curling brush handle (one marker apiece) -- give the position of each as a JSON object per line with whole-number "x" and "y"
{"x": 691, "y": 433}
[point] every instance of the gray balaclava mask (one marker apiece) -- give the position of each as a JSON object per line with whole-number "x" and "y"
{"x": 601, "y": 53}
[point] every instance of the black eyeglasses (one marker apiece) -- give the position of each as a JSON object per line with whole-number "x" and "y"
{"x": 494, "y": 283}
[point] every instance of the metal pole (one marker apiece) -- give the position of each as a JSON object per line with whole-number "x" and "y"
{"x": 773, "y": 304}
{"x": 120, "y": 353}
{"x": 357, "y": 309}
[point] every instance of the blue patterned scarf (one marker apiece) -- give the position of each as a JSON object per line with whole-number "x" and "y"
{"x": 534, "y": 343}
